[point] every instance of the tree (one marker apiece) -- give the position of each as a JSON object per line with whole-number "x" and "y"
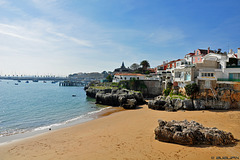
{"x": 191, "y": 90}
{"x": 168, "y": 89}
{"x": 134, "y": 66}
{"x": 145, "y": 64}
{"x": 109, "y": 78}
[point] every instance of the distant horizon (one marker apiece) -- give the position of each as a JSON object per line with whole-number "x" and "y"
{"x": 65, "y": 37}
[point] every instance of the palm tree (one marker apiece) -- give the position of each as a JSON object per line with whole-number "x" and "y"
{"x": 145, "y": 64}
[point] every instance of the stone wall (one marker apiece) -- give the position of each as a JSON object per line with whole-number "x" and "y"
{"x": 154, "y": 88}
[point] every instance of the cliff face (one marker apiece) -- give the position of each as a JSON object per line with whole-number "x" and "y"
{"x": 168, "y": 104}
{"x": 116, "y": 97}
{"x": 224, "y": 93}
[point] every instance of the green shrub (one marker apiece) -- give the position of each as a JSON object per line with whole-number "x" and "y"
{"x": 167, "y": 91}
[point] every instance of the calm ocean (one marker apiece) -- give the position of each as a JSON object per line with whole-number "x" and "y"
{"x": 36, "y": 106}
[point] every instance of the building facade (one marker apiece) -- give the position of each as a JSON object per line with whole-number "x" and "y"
{"x": 127, "y": 76}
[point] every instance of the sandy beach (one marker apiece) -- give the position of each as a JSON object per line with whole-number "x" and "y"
{"x": 126, "y": 135}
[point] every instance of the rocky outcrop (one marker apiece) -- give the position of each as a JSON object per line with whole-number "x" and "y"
{"x": 158, "y": 103}
{"x": 116, "y": 97}
{"x": 191, "y": 133}
{"x": 187, "y": 104}
{"x": 165, "y": 103}
{"x": 91, "y": 92}
{"x": 168, "y": 104}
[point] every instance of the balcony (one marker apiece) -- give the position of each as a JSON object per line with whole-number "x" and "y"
{"x": 238, "y": 66}
{"x": 228, "y": 79}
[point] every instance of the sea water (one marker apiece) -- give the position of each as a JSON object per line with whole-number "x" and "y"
{"x": 35, "y": 106}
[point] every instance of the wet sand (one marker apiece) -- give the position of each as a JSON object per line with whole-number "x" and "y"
{"x": 125, "y": 135}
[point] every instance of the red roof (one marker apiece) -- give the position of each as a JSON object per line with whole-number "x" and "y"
{"x": 191, "y": 54}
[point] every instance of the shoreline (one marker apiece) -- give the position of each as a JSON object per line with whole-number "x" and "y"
{"x": 125, "y": 135}
{"x": 55, "y": 127}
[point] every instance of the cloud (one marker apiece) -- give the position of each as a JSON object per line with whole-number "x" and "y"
{"x": 16, "y": 32}
{"x": 78, "y": 41}
{"x": 64, "y": 41}
{"x": 166, "y": 36}
{"x": 3, "y": 2}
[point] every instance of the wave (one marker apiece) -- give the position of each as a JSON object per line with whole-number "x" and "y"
{"x": 85, "y": 116}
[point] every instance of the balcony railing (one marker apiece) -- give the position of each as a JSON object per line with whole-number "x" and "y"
{"x": 233, "y": 66}
{"x": 227, "y": 79}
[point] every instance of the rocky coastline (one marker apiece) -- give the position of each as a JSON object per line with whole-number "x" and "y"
{"x": 127, "y": 99}
{"x": 171, "y": 104}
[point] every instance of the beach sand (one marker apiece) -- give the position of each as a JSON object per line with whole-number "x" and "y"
{"x": 125, "y": 135}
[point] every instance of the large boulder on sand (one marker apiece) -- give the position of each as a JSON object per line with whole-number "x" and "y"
{"x": 191, "y": 133}
{"x": 156, "y": 104}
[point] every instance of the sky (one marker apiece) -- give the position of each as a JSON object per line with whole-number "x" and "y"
{"x": 61, "y": 37}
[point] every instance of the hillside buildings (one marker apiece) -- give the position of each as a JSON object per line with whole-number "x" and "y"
{"x": 204, "y": 67}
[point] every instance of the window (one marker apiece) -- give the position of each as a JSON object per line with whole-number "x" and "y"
{"x": 197, "y": 52}
{"x": 207, "y": 74}
{"x": 234, "y": 75}
{"x": 137, "y": 78}
{"x": 125, "y": 78}
{"x": 198, "y": 59}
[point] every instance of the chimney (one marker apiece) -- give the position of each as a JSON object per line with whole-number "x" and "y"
{"x": 208, "y": 50}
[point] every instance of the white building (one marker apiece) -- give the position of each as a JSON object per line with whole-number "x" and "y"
{"x": 223, "y": 68}
{"x": 127, "y": 76}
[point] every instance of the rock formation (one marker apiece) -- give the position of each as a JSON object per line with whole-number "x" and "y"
{"x": 116, "y": 97}
{"x": 168, "y": 104}
{"x": 191, "y": 133}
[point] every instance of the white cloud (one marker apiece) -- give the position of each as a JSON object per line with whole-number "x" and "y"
{"x": 78, "y": 41}
{"x": 3, "y": 2}
{"x": 16, "y": 32}
{"x": 166, "y": 36}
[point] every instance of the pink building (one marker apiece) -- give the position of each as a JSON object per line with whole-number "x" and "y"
{"x": 199, "y": 54}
